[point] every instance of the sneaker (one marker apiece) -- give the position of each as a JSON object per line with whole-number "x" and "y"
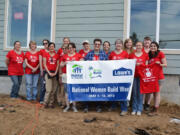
{"x": 154, "y": 112}
{"x": 138, "y": 113}
{"x": 41, "y": 102}
{"x": 123, "y": 113}
{"x": 147, "y": 107}
{"x": 74, "y": 109}
{"x": 66, "y": 109}
{"x": 133, "y": 113}
{"x": 99, "y": 110}
{"x": 85, "y": 110}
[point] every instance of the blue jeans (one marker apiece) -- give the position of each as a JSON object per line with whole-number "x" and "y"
{"x": 137, "y": 97}
{"x": 31, "y": 86}
{"x": 16, "y": 80}
{"x": 43, "y": 88}
{"x": 123, "y": 105}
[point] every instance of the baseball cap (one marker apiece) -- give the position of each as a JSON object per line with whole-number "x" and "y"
{"x": 85, "y": 41}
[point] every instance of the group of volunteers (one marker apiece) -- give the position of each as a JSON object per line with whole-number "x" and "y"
{"x": 49, "y": 68}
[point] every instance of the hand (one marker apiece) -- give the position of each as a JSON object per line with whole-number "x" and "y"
{"x": 158, "y": 62}
{"x": 34, "y": 70}
{"x": 51, "y": 74}
{"x": 137, "y": 64}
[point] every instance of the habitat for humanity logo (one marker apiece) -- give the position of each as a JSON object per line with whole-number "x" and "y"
{"x": 77, "y": 72}
{"x": 94, "y": 73}
{"x": 122, "y": 72}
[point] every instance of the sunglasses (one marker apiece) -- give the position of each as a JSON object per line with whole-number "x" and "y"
{"x": 97, "y": 44}
{"x": 45, "y": 43}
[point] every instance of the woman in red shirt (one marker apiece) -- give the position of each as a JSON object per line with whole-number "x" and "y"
{"x": 119, "y": 54}
{"x": 86, "y": 48}
{"x": 43, "y": 53}
{"x": 51, "y": 64}
{"x": 106, "y": 47}
{"x": 156, "y": 56}
{"x": 32, "y": 71}
{"x": 14, "y": 62}
{"x": 137, "y": 98}
{"x": 71, "y": 56}
{"x": 128, "y": 46}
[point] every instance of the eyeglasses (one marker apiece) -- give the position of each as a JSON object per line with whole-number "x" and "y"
{"x": 64, "y": 48}
{"x": 45, "y": 43}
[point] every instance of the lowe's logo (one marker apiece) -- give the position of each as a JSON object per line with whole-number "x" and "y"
{"x": 77, "y": 72}
{"x": 122, "y": 72}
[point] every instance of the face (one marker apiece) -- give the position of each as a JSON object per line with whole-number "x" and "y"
{"x": 51, "y": 48}
{"x": 71, "y": 49}
{"x": 86, "y": 46}
{"x": 33, "y": 46}
{"x": 129, "y": 44}
{"x": 106, "y": 46}
{"x": 65, "y": 49}
{"x": 66, "y": 41}
{"x": 97, "y": 45}
{"x": 139, "y": 46}
{"x": 147, "y": 43}
{"x": 153, "y": 48}
{"x": 119, "y": 46}
{"x": 17, "y": 46}
{"x": 45, "y": 43}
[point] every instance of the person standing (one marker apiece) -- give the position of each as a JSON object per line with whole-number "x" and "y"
{"x": 43, "y": 53}
{"x": 128, "y": 46}
{"x": 119, "y": 54}
{"x": 96, "y": 55}
{"x": 32, "y": 71}
{"x": 156, "y": 56}
{"x": 14, "y": 61}
{"x": 70, "y": 56}
{"x": 86, "y": 48}
{"x": 51, "y": 64}
{"x": 137, "y": 98}
{"x": 106, "y": 47}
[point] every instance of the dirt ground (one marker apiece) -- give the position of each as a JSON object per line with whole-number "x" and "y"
{"x": 19, "y": 117}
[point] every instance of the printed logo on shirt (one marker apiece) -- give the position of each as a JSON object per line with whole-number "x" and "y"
{"x": 52, "y": 60}
{"x": 94, "y": 73}
{"x": 149, "y": 77}
{"x": 19, "y": 59}
{"x": 122, "y": 72}
{"x": 33, "y": 58}
{"x": 77, "y": 72}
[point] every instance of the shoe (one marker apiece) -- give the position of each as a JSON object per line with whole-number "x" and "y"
{"x": 138, "y": 113}
{"x": 99, "y": 110}
{"x": 51, "y": 106}
{"x": 45, "y": 106}
{"x": 133, "y": 113}
{"x": 123, "y": 113}
{"x": 66, "y": 109}
{"x": 41, "y": 102}
{"x": 74, "y": 109}
{"x": 154, "y": 112}
{"x": 85, "y": 110}
{"x": 147, "y": 107}
{"x": 59, "y": 104}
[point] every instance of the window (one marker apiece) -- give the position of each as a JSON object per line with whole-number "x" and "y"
{"x": 144, "y": 22}
{"x": 28, "y": 20}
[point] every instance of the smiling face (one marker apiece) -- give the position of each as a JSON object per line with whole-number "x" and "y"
{"x": 86, "y": 46}
{"x": 17, "y": 46}
{"x": 153, "y": 47}
{"x": 147, "y": 43}
{"x": 66, "y": 41}
{"x": 45, "y": 43}
{"x": 51, "y": 48}
{"x": 33, "y": 46}
{"x": 139, "y": 46}
{"x": 129, "y": 44}
{"x": 97, "y": 45}
{"x": 106, "y": 46}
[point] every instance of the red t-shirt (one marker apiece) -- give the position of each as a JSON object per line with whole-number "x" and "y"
{"x": 159, "y": 57}
{"x": 33, "y": 60}
{"x": 60, "y": 52}
{"x": 122, "y": 55}
{"x": 15, "y": 66}
{"x": 66, "y": 57}
{"x": 43, "y": 54}
{"x": 83, "y": 53}
{"x": 141, "y": 59}
{"x": 96, "y": 57}
{"x": 51, "y": 61}
{"x": 149, "y": 75}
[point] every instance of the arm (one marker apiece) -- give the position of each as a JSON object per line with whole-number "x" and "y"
{"x": 44, "y": 62}
{"x": 7, "y": 61}
{"x": 164, "y": 62}
{"x": 28, "y": 65}
{"x": 40, "y": 64}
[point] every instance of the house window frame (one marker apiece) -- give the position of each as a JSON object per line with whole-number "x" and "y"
{"x": 52, "y": 31}
{"x": 158, "y": 13}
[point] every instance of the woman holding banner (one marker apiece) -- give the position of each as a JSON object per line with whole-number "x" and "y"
{"x": 70, "y": 56}
{"x": 119, "y": 54}
{"x": 137, "y": 98}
